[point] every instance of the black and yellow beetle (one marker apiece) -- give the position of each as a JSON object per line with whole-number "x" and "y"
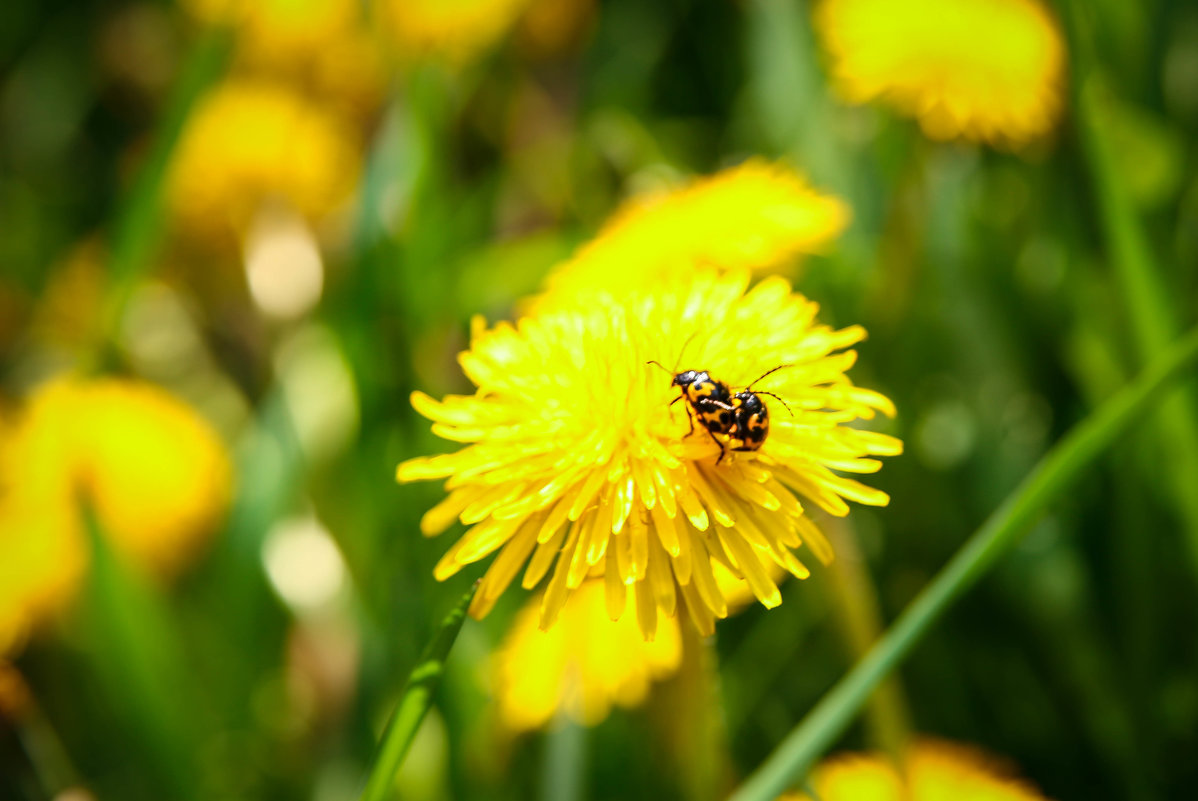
{"x": 741, "y": 419}
{"x": 708, "y": 399}
{"x": 751, "y": 418}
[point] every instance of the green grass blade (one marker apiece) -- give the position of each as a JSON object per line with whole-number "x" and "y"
{"x": 133, "y": 647}
{"x": 1001, "y": 531}
{"x": 137, "y": 228}
{"x": 417, "y": 697}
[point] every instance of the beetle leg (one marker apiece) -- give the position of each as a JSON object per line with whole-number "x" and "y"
{"x": 723, "y": 450}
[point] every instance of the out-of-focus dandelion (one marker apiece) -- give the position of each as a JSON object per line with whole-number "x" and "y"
{"x": 985, "y": 70}
{"x": 156, "y": 475}
{"x": 756, "y": 216}
{"x": 452, "y": 33}
{"x": 589, "y": 662}
{"x": 934, "y": 770}
{"x": 251, "y": 144}
{"x": 578, "y": 456}
{"x": 323, "y": 45}
{"x": 580, "y": 667}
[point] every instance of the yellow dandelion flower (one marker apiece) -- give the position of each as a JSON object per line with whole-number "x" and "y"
{"x": 321, "y": 43}
{"x": 251, "y": 143}
{"x": 577, "y": 455}
{"x": 985, "y": 70}
{"x": 755, "y": 216}
{"x": 157, "y": 476}
{"x": 935, "y": 770}
{"x": 582, "y": 666}
{"x": 451, "y": 31}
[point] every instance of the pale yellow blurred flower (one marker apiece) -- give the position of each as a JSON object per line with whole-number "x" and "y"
{"x": 985, "y": 70}
{"x": 935, "y": 771}
{"x": 453, "y": 32}
{"x": 582, "y": 666}
{"x": 251, "y": 143}
{"x": 756, "y": 216}
{"x": 156, "y": 474}
{"x": 324, "y": 45}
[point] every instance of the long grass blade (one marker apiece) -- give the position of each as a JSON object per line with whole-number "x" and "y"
{"x": 137, "y": 227}
{"x": 415, "y": 701}
{"x": 1002, "y": 530}
{"x": 134, "y": 649}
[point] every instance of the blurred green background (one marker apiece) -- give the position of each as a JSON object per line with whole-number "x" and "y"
{"x": 993, "y": 285}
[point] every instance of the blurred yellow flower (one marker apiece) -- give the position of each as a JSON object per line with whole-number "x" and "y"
{"x": 985, "y": 70}
{"x": 935, "y": 770}
{"x": 754, "y": 216}
{"x": 454, "y": 32}
{"x": 324, "y": 44}
{"x": 252, "y": 143}
{"x": 156, "y": 474}
{"x": 576, "y": 450}
{"x": 580, "y": 667}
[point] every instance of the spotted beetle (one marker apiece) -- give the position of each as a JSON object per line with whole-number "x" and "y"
{"x": 741, "y": 418}
{"x": 707, "y": 398}
{"x": 751, "y": 418}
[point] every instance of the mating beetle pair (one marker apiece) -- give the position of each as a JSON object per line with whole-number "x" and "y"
{"x": 742, "y": 418}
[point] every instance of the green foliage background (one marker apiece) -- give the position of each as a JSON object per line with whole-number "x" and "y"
{"x": 1006, "y": 296}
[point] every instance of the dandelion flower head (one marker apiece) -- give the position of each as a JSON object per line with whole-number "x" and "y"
{"x": 453, "y": 32}
{"x": 757, "y": 216}
{"x": 251, "y": 143}
{"x": 935, "y": 771}
{"x": 580, "y": 667}
{"x": 984, "y": 70}
{"x": 576, "y": 464}
{"x": 157, "y": 476}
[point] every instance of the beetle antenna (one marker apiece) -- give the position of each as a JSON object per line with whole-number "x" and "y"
{"x": 763, "y": 375}
{"x": 659, "y": 364}
{"x": 772, "y": 395}
{"x": 684, "y": 347}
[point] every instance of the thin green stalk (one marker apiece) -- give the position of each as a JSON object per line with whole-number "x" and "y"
{"x": 53, "y": 770}
{"x": 1001, "y": 531}
{"x": 855, "y": 605}
{"x": 563, "y": 776}
{"x": 415, "y": 701}
{"x": 137, "y": 229}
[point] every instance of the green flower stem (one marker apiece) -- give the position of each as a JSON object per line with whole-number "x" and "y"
{"x": 855, "y": 605}
{"x": 1141, "y": 279}
{"x": 415, "y": 701}
{"x": 563, "y": 776}
{"x": 1059, "y": 468}
{"x": 137, "y": 229}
